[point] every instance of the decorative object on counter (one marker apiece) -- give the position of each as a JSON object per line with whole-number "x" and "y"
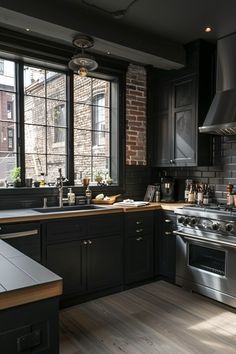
{"x": 36, "y": 184}
{"x": 88, "y": 194}
{"x": 101, "y": 199}
{"x": 158, "y": 194}
{"x": 98, "y": 178}
{"x": 150, "y": 193}
{"x": 42, "y": 181}
{"x": 85, "y": 181}
{"x": 28, "y": 182}
{"x": 167, "y": 189}
{"x": 188, "y": 183}
{"x": 131, "y": 203}
{"x": 71, "y": 197}
{"x": 229, "y": 195}
{"x": 80, "y": 200}
{"x": 16, "y": 176}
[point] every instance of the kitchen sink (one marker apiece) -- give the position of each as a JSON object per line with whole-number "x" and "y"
{"x": 68, "y": 208}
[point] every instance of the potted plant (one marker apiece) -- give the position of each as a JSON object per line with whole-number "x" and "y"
{"x": 98, "y": 177}
{"x": 16, "y": 176}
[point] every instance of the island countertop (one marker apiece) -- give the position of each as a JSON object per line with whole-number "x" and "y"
{"x": 22, "y": 280}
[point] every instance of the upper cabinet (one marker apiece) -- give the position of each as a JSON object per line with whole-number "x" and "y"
{"x": 177, "y": 106}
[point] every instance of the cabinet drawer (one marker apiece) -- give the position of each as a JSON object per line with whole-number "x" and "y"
{"x": 139, "y": 223}
{"x": 68, "y": 230}
{"x": 105, "y": 224}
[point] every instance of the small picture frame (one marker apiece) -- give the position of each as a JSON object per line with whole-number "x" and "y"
{"x": 150, "y": 193}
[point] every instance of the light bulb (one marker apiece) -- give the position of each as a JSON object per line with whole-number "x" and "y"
{"x": 83, "y": 71}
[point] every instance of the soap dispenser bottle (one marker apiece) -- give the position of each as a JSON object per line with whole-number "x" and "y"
{"x": 71, "y": 197}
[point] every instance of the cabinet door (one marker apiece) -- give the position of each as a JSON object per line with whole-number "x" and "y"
{"x": 165, "y": 246}
{"x": 67, "y": 260}
{"x": 138, "y": 258}
{"x": 184, "y": 128}
{"x": 104, "y": 262}
{"x": 162, "y": 127}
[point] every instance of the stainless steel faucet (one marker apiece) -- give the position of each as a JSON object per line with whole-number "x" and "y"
{"x": 60, "y": 188}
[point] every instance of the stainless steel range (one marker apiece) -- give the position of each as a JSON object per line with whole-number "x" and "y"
{"x": 206, "y": 252}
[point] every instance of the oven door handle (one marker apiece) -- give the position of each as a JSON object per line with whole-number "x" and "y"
{"x": 204, "y": 240}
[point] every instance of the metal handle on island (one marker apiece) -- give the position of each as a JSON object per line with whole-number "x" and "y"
{"x": 19, "y": 234}
{"x": 139, "y": 239}
{"x": 168, "y": 221}
{"x": 139, "y": 230}
{"x": 168, "y": 233}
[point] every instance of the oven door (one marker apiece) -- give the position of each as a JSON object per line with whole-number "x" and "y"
{"x": 205, "y": 266}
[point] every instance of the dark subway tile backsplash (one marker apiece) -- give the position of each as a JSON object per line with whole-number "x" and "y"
{"x": 222, "y": 171}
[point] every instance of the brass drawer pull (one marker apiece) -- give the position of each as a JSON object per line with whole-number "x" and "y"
{"x": 168, "y": 221}
{"x": 168, "y": 233}
{"x": 85, "y": 242}
{"x": 139, "y": 239}
{"x": 138, "y": 222}
{"x": 139, "y": 230}
{"x": 89, "y": 242}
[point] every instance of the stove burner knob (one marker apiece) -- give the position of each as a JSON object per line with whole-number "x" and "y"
{"x": 181, "y": 219}
{"x": 229, "y": 227}
{"x": 215, "y": 226}
{"x": 193, "y": 221}
{"x": 187, "y": 221}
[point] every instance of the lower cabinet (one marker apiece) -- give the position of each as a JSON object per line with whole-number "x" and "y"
{"x": 66, "y": 260}
{"x": 165, "y": 245}
{"x": 30, "y": 328}
{"x": 138, "y": 246}
{"x": 87, "y": 259}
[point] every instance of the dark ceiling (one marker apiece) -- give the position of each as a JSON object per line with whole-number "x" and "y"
{"x": 148, "y": 31}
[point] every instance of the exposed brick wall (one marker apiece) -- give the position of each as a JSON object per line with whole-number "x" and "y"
{"x": 136, "y": 115}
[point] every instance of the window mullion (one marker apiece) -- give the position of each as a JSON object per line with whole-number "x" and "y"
{"x": 20, "y": 119}
{"x": 70, "y": 127}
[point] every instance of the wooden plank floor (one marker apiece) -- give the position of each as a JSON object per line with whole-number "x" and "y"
{"x": 154, "y": 318}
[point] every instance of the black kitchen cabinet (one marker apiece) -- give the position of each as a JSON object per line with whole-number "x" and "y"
{"x": 25, "y": 237}
{"x": 86, "y": 253}
{"x": 139, "y": 228}
{"x": 178, "y": 106}
{"x": 30, "y": 328}
{"x": 165, "y": 245}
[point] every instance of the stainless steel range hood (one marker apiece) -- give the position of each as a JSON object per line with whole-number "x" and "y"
{"x": 221, "y": 117}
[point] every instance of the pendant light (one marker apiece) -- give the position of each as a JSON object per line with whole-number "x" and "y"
{"x": 83, "y": 63}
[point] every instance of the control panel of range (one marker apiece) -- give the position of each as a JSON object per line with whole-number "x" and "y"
{"x": 192, "y": 222}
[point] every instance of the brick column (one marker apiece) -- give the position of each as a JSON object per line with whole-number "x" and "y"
{"x": 136, "y": 115}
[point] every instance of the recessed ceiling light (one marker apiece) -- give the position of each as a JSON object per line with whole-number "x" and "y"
{"x": 208, "y": 29}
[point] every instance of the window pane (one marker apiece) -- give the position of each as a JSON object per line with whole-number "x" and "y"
{"x": 82, "y": 89}
{"x": 34, "y": 165}
{"x": 7, "y": 75}
{"x": 35, "y": 110}
{"x": 82, "y": 167}
{"x": 82, "y": 116}
{"x": 101, "y": 118}
{"x": 56, "y": 113}
{"x": 35, "y": 139}
{"x": 56, "y": 140}
{"x": 34, "y": 81}
{"x": 7, "y": 136}
{"x": 101, "y": 143}
{"x": 54, "y": 162}
{"x": 56, "y": 85}
{"x": 82, "y": 142}
{"x": 7, "y": 163}
{"x": 102, "y": 87}
{"x": 7, "y": 102}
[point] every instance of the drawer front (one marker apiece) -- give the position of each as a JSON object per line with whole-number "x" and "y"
{"x": 139, "y": 223}
{"x": 105, "y": 224}
{"x": 67, "y": 230}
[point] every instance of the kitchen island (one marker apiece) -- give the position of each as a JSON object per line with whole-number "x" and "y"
{"x": 28, "y": 304}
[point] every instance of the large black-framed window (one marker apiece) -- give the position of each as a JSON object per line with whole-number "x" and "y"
{"x": 44, "y": 104}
